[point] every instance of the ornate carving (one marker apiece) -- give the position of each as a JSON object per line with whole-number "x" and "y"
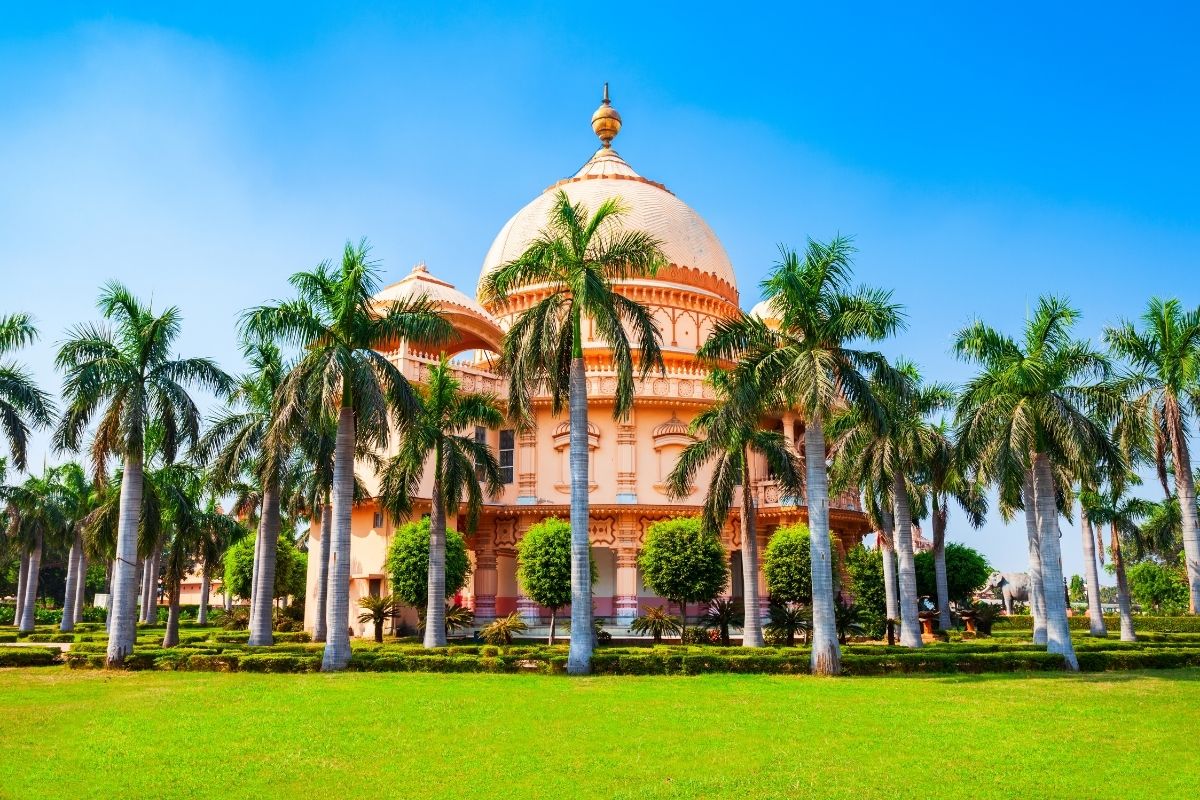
{"x": 661, "y": 387}
{"x": 602, "y": 531}
{"x": 685, "y": 388}
{"x": 506, "y": 532}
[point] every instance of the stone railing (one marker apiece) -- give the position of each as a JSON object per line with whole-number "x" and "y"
{"x": 769, "y": 493}
{"x": 679, "y": 383}
{"x": 415, "y": 365}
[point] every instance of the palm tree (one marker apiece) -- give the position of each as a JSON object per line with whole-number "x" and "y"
{"x": 244, "y": 438}
{"x": 338, "y": 325}
{"x": 78, "y": 498}
{"x": 36, "y": 521}
{"x": 317, "y": 444}
{"x": 579, "y": 257}
{"x": 1165, "y": 354}
{"x": 216, "y": 537}
{"x": 788, "y": 619}
{"x": 730, "y": 435}
{"x": 810, "y": 358}
{"x": 378, "y": 610}
{"x": 657, "y": 622}
{"x": 892, "y": 445}
{"x": 1030, "y": 405}
{"x": 460, "y": 465}
{"x": 190, "y": 522}
{"x": 723, "y": 614}
{"x": 312, "y": 488}
{"x": 125, "y": 375}
{"x": 948, "y": 478}
{"x": 22, "y": 404}
{"x": 1091, "y": 569}
{"x": 1121, "y": 514}
{"x": 877, "y": 505}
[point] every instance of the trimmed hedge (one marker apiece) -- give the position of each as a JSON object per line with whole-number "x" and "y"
{"x": 223, "y": 651}
{"x": 29, "y": 656}
{"x": 1157, "y": 658}
{"x": 931, "y": 661}
{"x": 1188, "y": 624}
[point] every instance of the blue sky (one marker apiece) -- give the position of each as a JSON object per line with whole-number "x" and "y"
{"x": 980, "y": 156}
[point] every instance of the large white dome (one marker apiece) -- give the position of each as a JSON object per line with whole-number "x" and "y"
{"x": 694, "y": 254}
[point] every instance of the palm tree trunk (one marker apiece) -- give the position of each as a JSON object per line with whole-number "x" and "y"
{"x": 1091, "y": 575}
{"x": 1123, "y": 601}
{"x": 226, "y": 599}
{"x": 320, "y": 624}
{"x": 1185, "y": 487}
{"x": 579, "y": 657}
{"x": 752, "y": 632}
{"x": 910, "y": 625}
{"x": 81, "y": 586}
{"x": 29, "y": 607}
{"x": 337, "y": 646}
{"x": 1037, "y": 604}
{"x": 124, "y": 590}
{"x": 826, "y": 655}
{"x": 258, "y": 551}
{"x": 72, "y": 591}
{"x": 143, "y": 588}
{"x": 435, "y": 602}
{"x": 939, "y": 565}
{"x": 150, "y": 586}
{"x": 553, "y": 622}
{"x": 887, "y": 539}
{"x": 171, "y": 638}
{"x": 109, "y": 569}
{"x": 205, "y": 589}
{"x": 22, "y": 579}
{"x": 1058, "y": 630}
{"x": 139, "y": 601}
{"x": 261, "y": 608}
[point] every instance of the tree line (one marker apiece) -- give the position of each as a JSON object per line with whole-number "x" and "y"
{"x": 1047, "y": 420}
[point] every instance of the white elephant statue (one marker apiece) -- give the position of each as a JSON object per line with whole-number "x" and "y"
{"x": 1010, "y": 586}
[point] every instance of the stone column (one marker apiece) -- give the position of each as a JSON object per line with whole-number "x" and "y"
{"x": 527, "y": 608}
{"x": 627, "y": 461}
{"x": 626, "y": 595}
{"x": 485, "y": 581}
{"x": 789, "y": 428}
{"x": 764, "y": 599}
{"x": 526, "y": 467}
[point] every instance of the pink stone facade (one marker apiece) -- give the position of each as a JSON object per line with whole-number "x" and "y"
{"x": 630, "y": 458}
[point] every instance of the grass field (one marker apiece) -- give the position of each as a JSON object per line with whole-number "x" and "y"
{"x": 159, "y": 734}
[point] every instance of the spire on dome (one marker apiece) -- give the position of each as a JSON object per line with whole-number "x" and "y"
{"x": 606, "y": 122}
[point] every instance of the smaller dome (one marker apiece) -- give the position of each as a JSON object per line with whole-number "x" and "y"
{"x": 476, "y": 328}
{"x": 672, "y": 427}
{"x": 762, "y": 310}
{"x": 564, "y": 429}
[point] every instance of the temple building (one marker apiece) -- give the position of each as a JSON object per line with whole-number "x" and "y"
{"x": 630, "y": 458}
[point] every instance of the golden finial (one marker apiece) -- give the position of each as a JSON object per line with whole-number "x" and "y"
{"x": 606, "y": 122}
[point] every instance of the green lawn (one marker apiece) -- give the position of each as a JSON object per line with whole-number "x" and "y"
{"x": 143, "y": 734}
